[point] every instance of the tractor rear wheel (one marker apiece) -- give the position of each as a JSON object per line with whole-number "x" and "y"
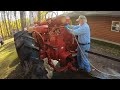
{"x": 28, "y": 53}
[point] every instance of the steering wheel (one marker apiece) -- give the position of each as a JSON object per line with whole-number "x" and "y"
{"x": 50, "y": 15}
{"x": 38, "y": 38}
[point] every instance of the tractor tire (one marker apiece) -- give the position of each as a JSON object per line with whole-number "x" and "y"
{"x": 28, "y": 53}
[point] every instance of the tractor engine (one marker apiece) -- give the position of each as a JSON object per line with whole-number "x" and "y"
{"x": 55, "y": 43}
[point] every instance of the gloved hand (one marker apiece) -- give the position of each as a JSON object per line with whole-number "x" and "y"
{"x": 68, "y": 27}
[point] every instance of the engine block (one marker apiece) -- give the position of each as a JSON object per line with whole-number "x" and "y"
{"x": 55, "y": 43}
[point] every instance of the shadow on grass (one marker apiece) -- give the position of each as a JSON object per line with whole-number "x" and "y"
{"x": 6, "y": 46}
{"x": 14, "y": 63}
{"x": 5, "y": 63}
{"x": 17, "y": 73}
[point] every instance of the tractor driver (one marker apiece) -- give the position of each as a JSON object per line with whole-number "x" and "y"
{"x": 83, "y": 32}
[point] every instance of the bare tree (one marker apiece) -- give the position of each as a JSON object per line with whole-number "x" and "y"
{"x": 4, "y": 21}
{"x": 8, "y": 18}
{"x": 31, "y": 17}
{"x": 1, "y": 32}
{"x": 39, "y": 15}
{"x": 1, "y": 29}
{"x": 22, "y": 19}
{"x": 25, "y": 20}
{"x": 15, "y": 15}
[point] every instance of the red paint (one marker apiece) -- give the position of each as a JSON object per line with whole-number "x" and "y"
{"x": 56, "y": 43}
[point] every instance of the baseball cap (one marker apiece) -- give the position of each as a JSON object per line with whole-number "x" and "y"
{"x": 81, "y": 17}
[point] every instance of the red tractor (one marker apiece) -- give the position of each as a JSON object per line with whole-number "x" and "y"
{"x": 50, "y": 40}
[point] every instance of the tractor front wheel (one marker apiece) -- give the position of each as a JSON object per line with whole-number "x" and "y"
{"x": 28, "y": 53}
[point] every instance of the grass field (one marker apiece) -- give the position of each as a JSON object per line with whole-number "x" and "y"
{"x": 8, "y": 58}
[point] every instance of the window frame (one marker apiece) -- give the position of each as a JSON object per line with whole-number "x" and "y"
{"x": 112, "y": 26}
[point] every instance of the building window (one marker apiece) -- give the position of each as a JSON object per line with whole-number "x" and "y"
{"x": 115, "y": 26}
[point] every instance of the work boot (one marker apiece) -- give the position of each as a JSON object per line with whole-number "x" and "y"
{"x": 81, "y": 70}
{"x": 89, "y": 74}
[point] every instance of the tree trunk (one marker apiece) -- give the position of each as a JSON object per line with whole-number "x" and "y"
{"x": 11, "y": 14}
{"x": 4, "y": 21}
{"x": 25, "y": 19}
{"x": 7, "y": 28}
{"x": 8, "y": 14}
{"x": 15, "y": 14}
{"x": 1, "y": 27}
{"x": 22, "y": 19}
{"x": 39, "y": 16}
{"x": 31, "y": 17}
{"x": 1, "y": 32}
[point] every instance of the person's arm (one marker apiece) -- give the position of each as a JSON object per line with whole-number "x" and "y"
{"x": 78, "y": 31}
{"x": 72, "y": 26}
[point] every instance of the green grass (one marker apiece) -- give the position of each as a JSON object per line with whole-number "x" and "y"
{"x": 106, "y": 44}
{"x": 107, "y": 48}
{"x": 8, "y": 56}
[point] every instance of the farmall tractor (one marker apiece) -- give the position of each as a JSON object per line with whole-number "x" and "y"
{"x": 50, "y": 40}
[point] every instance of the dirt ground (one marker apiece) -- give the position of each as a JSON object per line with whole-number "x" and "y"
{"x": 110, "y": 68}
{"x": 10, "y": 67}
